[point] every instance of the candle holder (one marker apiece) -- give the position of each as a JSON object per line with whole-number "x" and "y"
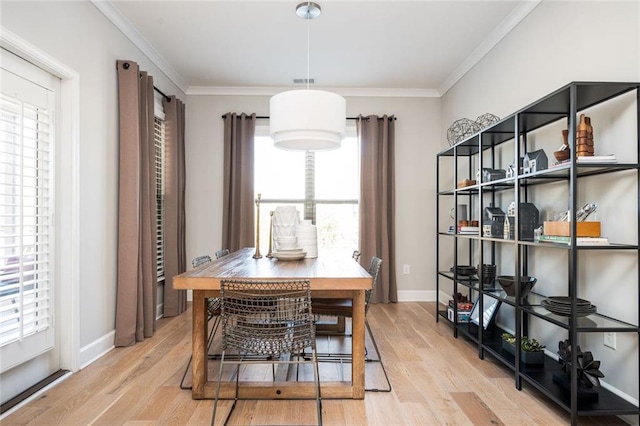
{"x": 270, "y": 254}
{"x": 257, "y": 254}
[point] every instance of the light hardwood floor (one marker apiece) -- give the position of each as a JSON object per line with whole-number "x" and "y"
{"x": 437, "y": 380}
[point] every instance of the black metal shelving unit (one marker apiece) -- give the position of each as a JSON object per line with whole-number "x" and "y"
{"x": 475, "y": 152}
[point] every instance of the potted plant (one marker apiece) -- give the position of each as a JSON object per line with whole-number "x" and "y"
{"x": 531, "y": 351}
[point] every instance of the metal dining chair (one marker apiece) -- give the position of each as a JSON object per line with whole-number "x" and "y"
{"x": 213, "y": 310}
{"x": 344, "y": 308}
{"x": 222, "y": 253}
{"x": 268, "y": 319}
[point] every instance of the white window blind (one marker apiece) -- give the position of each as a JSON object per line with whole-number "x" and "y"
{"x": 159, "y": 139}
{"x": 26, "y": 193}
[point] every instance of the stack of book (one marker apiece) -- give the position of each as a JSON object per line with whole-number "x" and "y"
{"x": 581, "y": 241}
{"x": 611, "y": 158}
{"x": 592, "y": 159}
{"x": 465, "y": 230}
{"x": 469, "y": 230}
{"x": 464, "y": 311}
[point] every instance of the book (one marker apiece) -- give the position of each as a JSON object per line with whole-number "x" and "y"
{"x": 611, "y": 158}
{"x": 469, "y": 230}
{"x": 581, "y": 241}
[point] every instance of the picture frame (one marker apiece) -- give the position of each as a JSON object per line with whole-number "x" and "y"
{"x": 490, "y": 306}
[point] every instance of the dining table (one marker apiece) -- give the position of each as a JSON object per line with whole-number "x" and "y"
{"x": 330, "y": 276}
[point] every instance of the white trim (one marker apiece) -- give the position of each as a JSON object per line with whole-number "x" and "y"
{"x": 355, "y": 92}
{"x": 489, "y": 42}
{"x": 139, "y": 41}
{"x": 69, "y": 288}
{"x": 97, "y": 349}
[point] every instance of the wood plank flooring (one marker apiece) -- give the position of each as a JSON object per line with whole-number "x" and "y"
{"x": 436, "y": 379}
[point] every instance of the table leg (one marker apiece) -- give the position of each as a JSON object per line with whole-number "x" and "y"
{"x": 199, "y": 342}
{"x": 357, "y": 345}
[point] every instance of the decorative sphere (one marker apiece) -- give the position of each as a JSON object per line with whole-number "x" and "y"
{"x": 461, "y": 129}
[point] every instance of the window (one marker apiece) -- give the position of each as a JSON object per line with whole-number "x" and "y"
{"x": 159, "y": 162}
{"x": 26, "y": 212}
{"x": 324, "y": 186}
{"x": 159, "y": 173}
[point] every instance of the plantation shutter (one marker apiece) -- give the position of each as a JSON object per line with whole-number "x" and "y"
{"x": 26, "y": 213}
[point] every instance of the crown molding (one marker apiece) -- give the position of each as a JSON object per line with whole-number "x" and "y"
{"x": 504, "y": 28}
{"x": 351, "y": 92}
{"x": 136, "y": 38}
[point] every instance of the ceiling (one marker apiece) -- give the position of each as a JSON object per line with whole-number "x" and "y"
{"x": 417, "y": 48}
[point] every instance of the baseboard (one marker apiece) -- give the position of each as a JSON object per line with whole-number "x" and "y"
{"x": 96, "y": 349}
{"x": 416, "y": 296}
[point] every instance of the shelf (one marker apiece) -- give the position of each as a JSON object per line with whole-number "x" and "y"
{"x": 558, "y": 107}
{"x": 590, "y": 323}
{"x": 608, "y": 403}
{"x": 541, "y": 376}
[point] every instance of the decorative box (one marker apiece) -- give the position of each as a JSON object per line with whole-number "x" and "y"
{"x": 584, "y": 229}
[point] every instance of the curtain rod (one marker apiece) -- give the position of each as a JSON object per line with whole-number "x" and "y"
{"x": 266, "y": 117}
{"x": 163, "y": 95}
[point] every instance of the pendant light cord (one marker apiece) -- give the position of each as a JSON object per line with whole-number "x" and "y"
{"x": 308, "y": 36}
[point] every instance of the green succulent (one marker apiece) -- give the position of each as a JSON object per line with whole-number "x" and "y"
{"x": 527, "y": 344}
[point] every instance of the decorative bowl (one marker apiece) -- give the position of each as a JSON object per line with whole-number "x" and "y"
{"x": 507, "y": 283}
{"x": 464, "y": 270}
{"x": 562, "y": 155}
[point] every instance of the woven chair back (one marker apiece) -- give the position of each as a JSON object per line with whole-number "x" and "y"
{"x": 374, "y": 270}
{"x": 200, "y": 260}
{"x": 267, "y": 317}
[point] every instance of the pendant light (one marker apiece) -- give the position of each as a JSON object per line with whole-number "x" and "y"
{"x": 309, "y": 120}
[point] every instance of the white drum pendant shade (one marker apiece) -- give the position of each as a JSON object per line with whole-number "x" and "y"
{"x": 312, "y": 120}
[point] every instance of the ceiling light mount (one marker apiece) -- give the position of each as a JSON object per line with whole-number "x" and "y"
{"x": 308, "y": 10}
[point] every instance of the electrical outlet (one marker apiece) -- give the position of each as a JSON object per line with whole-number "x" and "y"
{"x": 610, "y": 340}
{"x": 406, "y": 269}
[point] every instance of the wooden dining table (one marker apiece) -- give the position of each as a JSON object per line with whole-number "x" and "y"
{"x": 329, "y": 276}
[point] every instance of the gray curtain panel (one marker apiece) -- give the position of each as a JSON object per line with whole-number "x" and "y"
{"x": 377, "y": 200}
{"x": 136, "y": 292}
{"x": 175, "y": 258}
{"x": 238, "y": 199}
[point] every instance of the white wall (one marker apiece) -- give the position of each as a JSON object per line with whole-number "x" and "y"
{"x": 557, "y": 43}
{"x": 79, "y": 36}
{"x": 417, "y": 142}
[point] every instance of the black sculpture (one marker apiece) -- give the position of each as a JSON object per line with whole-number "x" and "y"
{"x": 589, "y": 373}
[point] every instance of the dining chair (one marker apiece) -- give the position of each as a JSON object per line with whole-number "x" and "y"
{"x": 271, "y": 319}
{"x": 356, "y": 255}
{"x": 222, "y": 253}
{"x": 213, "y": 310}
{"x": 344, "y": 308}
{"x": 200, "y": 260}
